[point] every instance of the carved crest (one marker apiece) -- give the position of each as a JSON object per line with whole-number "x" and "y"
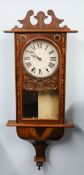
{"x": 54, "y": 25}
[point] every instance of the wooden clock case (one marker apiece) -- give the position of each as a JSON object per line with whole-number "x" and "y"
{"x": 40, "y": 130}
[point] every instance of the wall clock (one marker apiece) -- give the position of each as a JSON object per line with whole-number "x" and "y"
{"x": 40, "y": 68}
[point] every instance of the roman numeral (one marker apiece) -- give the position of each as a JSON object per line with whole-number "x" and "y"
{"x": 33, "y": 69}
{"x": 27, "y": 58}
{"x": 28, "y": 64}
{"x": 33, "y": 47}
{"x": 39, "y": 45}
{"x": 52, "y": 58}
{"x": 52, "y": 51}
{"x": 51, "y": 65}
{"x": 40, "y": 72}
{"x": 46, "y": 47}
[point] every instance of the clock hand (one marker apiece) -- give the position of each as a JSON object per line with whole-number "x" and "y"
{"x": 30, "y": 51}
{"x": 35, "y": 56}
{"x": 38, "y": 57}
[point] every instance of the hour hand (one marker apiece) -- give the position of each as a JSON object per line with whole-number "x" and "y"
{"x": 33, "y": 56}
{"x": 29, "y": 51}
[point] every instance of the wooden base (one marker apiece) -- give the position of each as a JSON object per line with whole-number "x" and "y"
{"x": 40, "y": 132}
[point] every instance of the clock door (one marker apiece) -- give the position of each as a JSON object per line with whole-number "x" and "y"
{"x": 40, "y": 59}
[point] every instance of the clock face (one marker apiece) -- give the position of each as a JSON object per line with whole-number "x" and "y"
{"x": 40, "y": 58}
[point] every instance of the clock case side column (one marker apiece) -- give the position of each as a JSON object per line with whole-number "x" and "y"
{"x": 18, "y": 79}
{"x": 62, "y": 80}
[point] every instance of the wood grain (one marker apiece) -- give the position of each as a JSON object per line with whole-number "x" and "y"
{"x": 41, "y": 26}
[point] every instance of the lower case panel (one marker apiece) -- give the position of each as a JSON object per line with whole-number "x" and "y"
{"x": 40, "y": 134}
{"x": 41, "y": 105}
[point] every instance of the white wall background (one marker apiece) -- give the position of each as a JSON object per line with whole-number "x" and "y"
{"x": 67, "y": 155}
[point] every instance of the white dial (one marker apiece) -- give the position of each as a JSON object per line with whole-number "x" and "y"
{"x": 40, "y": 58}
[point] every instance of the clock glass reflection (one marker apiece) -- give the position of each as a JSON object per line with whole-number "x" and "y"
{"x": 30, "y": 104}
{"x": 41, "y": 105}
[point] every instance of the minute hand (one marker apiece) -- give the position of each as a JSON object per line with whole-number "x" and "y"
{"x": 36, "y": 56}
